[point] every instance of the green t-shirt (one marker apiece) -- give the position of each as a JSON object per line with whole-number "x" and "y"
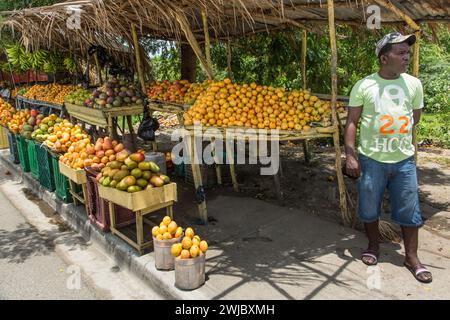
{"x": 387, "y": 116}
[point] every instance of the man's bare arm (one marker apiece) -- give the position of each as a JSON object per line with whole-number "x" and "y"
{"x": 352, "y": 164}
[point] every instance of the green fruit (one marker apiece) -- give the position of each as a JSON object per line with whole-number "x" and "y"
{"x": 133, "y": 189}
{"x": 51, "y": 123}
{"x": 101, "y": 180}
{"x": 112, "y": 172}
{"x": 137, "y": 173}
{"x": 121, "y": 186}
{"x": 147, "y": 175}
{"x": 154, "y": 167}
{"x": 113, "y": 184}
{"x": 124, "y": 167}
{"x": 129, "y": 181}
{"x": 142, "y": 183}
{"x": 115, "y": 165}
{"x": 43, "y": 127}
{"x": 106, "y": 182}
{"x": 131, "y": 164}
{"x": 144, "y": 166}
{"x": 120, "y": 175}
{"x": 165, "y": 178}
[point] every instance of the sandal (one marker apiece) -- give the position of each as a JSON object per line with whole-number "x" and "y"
{"x": 419, "y": 269}
{"x": 370, "y": 254}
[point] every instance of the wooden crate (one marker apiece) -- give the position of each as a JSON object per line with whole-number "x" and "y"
{"x": 140, "y": 200}
{"x": 77, "y": 176}
{"x": 3, "y": 138}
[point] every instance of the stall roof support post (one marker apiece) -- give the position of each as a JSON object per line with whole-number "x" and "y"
{"x": 184, "y": 25}
{"x": 304, "y": 46}
{"x": 346, "y": 215}
{"x": 207, "y": 40}
{"x": 138, "y": 57}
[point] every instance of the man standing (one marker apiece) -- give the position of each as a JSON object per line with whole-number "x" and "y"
{"x": 388, "y": 106}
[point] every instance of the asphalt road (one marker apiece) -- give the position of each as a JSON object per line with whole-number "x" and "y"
{"x": 29, "y": 266}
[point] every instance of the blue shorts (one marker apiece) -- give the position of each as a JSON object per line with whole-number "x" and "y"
{"x": 401, "y": 181}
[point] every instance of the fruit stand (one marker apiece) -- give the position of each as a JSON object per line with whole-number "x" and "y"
{"x": 141, "y": 203}
{"x": 104, "y": 118}
{"x": 44, "y": 107}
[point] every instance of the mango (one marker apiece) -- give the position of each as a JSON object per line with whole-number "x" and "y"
{"x": 131, "y": 164}
{"x": 132, "y": 189}
{"x": 144, "y": 166}
{"x": 157, "y": 181}
{"x": 129, "y": 181}
{"x": 137, "y": 157}
{"x": 115, "y": 165}
{"x": 147, "y": 175}
{"x": 142, "y": 183}
{"x": 154, "y": 167}
{"x": 137, "y": 173}
{"x": 106, "y": 182}
{"x": 165, "y": 178}
{"x": 121, "y": 186}
{"x": 121, "y": 174}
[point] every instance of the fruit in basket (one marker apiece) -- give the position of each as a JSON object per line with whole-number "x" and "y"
{"x": 116, "y": 94}
{"x": 168, "y": 91}
{"x": 189, "y": 232}
{"x": 176, "y": 249}
{"x": 190, "y": 247}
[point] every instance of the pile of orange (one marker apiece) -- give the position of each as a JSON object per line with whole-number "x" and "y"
{"x": 64, "y": 135}
{"x": 53, "y": 93}
{"x": 227, "y": 104}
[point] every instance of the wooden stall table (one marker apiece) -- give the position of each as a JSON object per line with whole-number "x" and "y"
{"x": 284, "y": 135}
{"x": 141, "y": 203}
{"x": 104, "y": 118}
{"x": 76, "y": 177}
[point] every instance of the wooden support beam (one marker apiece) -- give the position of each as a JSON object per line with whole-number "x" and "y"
{"x": 229, "y": 70}
{"x": 207, "y": 40}
{"x": 304, "y": 44}
{"x": 99, "y": 70}
{"x": 346, "y": 217}
{"x": 138, "y": 58}
{"x": 184, "y": 25}
{"x": 388, "y": 5}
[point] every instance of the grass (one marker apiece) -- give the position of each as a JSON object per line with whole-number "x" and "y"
{"x": 434, "y": 129}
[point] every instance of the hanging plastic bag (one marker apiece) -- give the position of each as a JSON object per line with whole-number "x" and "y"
{"x": 148, "y": 126}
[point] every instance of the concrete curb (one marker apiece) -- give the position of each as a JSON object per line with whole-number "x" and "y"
{"x": 142, "y": 267}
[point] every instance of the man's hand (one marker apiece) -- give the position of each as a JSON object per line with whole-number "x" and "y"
{"x": 352, "y": 167}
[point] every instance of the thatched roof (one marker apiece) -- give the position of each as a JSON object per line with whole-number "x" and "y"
{"x": 107, "y": 22}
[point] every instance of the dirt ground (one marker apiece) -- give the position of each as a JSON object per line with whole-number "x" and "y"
{"x": 312, "y": 186}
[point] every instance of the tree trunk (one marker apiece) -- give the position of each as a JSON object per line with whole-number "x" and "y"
{"x": 188, "y": 63}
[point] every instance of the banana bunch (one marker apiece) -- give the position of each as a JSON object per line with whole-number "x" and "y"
{"x": 70, "y": 65}
{"x": 17, "y": 56}
{"x": 38, "y": 59}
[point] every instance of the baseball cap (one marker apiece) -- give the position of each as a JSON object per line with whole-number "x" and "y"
{"x": 394, "y": 37}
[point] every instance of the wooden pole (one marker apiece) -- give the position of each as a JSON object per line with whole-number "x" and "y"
{"x": 341, "y": 184}
{"x": 207, "y": 40}
{"x": 229, "y": 70}
{"x": 138, "y": 58}
{"x": 99, "y": 71}
{"x": 388, "y": 5}
{"x": 304, "y": 44}
{"x": 184, "y": 25}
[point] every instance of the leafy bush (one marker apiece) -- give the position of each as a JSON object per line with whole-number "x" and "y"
{"x": 434, "y": 129}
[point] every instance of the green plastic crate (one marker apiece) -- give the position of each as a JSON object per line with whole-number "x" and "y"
{"x": 32, "y": 159}
{"x": 61, "y": 182}
{"x": 44, "y": 160}
{"x": 13, "y": 152}
{"x": 23, "y": 153}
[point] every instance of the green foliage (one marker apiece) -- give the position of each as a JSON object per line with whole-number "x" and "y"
{"x": 434, "y": 129}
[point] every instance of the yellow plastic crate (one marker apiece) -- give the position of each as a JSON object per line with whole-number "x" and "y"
{"x": 3, "y": 138}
